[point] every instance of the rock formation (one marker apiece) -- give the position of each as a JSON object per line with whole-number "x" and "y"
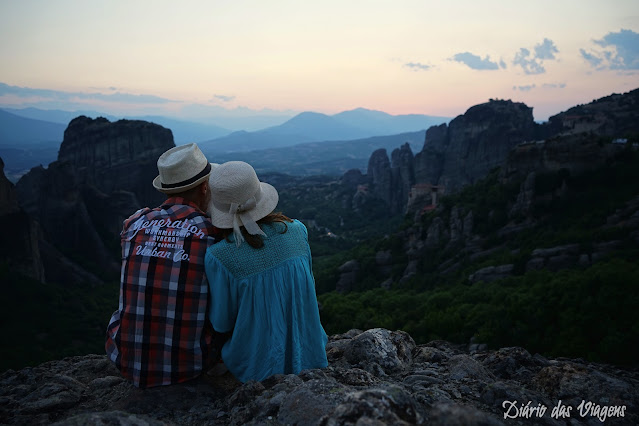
{"x": 481, "y": 139}
{"x": 20, "y": 237}
{"x": 452, "y": 156}
{"x": 613, "y": 116}
{"x": 374, "y": 377}
{"x": 103, "y": 174}
{"x": 8, "y": 202}
{"x": 389, "y": 180}
{"x": 402, "y": 167}
{"x": 348, "y": 276}
{"x": 501, "y": 133}
{"x": 380, "y": 176}
{"x": 116, "y": 156}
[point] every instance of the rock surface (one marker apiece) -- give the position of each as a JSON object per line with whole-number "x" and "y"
{"x": 54, "y": 198}
{"x": 348, "y": 276}
{"x": 8, "y": 202}
{"x": 19, "y": 242}
{"x": 374, "y": 377}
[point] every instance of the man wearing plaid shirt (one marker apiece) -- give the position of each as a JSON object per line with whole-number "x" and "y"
{"x": 160, "y": 333}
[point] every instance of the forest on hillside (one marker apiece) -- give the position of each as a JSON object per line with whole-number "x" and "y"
{"x": 586, "y": 311}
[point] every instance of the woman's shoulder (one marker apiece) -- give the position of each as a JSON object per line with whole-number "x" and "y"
{"x": 276, "y": 230}
{"x": 298, "y": 226}
{"x": 294, "y": 226}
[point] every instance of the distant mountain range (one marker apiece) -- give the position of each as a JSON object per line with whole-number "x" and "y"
{"x": 20, "y": 131}
{"x": 304, "y": 127}
{"x": 320, "y": 158}
{"x": 315, "y": 127}
{"x": 183, "y": 131}
{"x": 30, "y": 137}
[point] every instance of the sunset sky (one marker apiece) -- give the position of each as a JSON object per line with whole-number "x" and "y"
{"x": 193, "y": 58}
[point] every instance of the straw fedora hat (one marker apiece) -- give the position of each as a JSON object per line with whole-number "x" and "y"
{"x": 238, "y": 198}
{"x": 182, "y": 168}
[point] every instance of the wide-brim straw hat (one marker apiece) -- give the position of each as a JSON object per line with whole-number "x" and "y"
{"x": 238, "y": 198}
{"x": 182, "y": 168}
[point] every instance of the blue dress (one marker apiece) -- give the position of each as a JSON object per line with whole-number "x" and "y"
{"x": 267, "y": 298}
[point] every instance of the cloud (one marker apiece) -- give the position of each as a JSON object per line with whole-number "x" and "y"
{"x": 526, "y": 88}
{"x": 534, "y": 64}
{"x": 110, "y": 88}
{"x": 529, "y": 64}
{"x": 475, "y": 62}
{"x": 55, "y": 95}
{"x": 417, "y": 66}
{"x": 594, "y": 60}
{"x": 529, "y": 87}
{"x": 546, "y": 50}
{"x": 554, "y": 85}
{"x": 502, "y": 64}
{"x": 224, "y": 98}
{"x": 125, "y": 98}
{"x": 618, "y": 51}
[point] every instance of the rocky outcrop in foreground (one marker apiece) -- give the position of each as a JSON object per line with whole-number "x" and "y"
{"x": 374, "y": 377}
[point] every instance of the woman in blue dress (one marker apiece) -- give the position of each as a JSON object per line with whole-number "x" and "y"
{"x": 261, "y": 280}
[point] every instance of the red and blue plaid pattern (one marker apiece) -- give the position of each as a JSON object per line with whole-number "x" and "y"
{"x": 160, "y": 334}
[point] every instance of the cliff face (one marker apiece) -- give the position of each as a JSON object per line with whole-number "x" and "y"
{"x": 614, "y": 116}
{"x": 429, "y": 162}
{"x": 8, "y": 202}
{"x": 116, "y": 156}
{"x": 103, "y": 174}
{"x": 55, "y": 198}
{"x": 19, "y": 239}
{"x": 473, "y": 144}
{"x": 501, "y": 133}
{"x": 374, "y": 377}
{"x": 391, "y": 180}
{"x": 380, "y": 176}
{"x": 452, "y": 156}
{"x": 480, "y": 140}
{"x": 402, "y": 166}
{"x": 576, "y": 153}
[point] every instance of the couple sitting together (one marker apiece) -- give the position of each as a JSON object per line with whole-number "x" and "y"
{"x": 212, "y": 272}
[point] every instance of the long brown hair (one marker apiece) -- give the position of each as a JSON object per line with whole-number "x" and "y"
{"x": 256, "y": 241}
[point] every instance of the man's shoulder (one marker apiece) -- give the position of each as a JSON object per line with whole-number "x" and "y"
{"x": 136, "y": 216}
{"x": 179, "y": 217}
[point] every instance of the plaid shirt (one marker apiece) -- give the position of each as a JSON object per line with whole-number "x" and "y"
{"x": 159, "y": 334}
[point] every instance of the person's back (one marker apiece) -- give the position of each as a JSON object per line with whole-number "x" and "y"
{"x": 159, "y": 334}
{"x": 261, "y": 279}
{"x": 266, "y": 296}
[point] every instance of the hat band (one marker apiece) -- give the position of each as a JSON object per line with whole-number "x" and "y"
{"x": 200, "y": 175}
{"x": 232, "y": 208}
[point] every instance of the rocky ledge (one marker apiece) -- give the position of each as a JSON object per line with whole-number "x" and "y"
{"x": 374, "y": 377}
